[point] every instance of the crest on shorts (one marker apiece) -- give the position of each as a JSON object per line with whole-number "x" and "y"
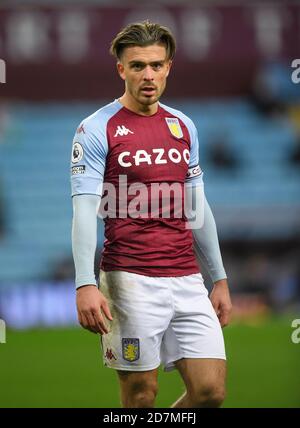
{"x": 130, "y": 349}
{"x": 174, "y": 127}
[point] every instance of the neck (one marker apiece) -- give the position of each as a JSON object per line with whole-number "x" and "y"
{"x": 145, "y": 110}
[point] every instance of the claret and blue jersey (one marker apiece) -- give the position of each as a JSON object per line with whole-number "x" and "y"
{"x": 162, "y": 148}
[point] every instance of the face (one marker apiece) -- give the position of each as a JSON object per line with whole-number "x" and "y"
{"x": 145, "y": 71}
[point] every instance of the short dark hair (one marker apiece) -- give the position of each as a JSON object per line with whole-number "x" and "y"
{"x": 144, "y": 33}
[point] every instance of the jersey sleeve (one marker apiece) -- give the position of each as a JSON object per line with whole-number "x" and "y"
{"x": 88, "y": 158}
{"x": 194, "y": 175}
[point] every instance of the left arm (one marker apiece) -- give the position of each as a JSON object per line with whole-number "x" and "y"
{"x": 208, "y": 253}
{"x": 202, "y": 223}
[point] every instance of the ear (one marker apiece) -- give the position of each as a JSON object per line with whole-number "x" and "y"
{"x": 121, "y": 70}
{"x": 169, "y": 67}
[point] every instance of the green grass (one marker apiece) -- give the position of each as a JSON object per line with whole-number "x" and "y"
{"x": 63, "y": 368}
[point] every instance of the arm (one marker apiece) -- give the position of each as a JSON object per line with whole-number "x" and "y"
{"x": 84, "y": 238}
{"x": 207, "y": 247}
{"x": 205, "y": 232}
{"x": 208, "y": 252}
{"x": 87, "y": 171}
{"x": 91, "y": 304}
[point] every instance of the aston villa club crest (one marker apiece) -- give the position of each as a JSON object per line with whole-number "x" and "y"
{"x": 174, "y": 127}
{"x": 130, "y": 349}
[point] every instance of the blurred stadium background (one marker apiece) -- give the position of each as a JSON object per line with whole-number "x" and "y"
{"x": 232, "y": 75}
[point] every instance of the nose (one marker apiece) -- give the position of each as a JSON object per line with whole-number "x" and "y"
{"x": 148, "y": 73}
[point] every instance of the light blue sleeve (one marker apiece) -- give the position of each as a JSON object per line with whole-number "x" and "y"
{"x": 206, "y": 245}
{"x": 194, "y": 174}
{"x": 88, "y": 157}
{"x": 84, "y": 238}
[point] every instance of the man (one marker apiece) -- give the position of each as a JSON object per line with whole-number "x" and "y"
{"x": 152, "y": 306}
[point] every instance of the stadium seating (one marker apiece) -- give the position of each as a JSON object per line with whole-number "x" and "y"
{"x": 35, "y": 153}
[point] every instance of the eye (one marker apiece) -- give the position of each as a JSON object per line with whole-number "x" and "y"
{"x": 157, "y": 66}
{"x": 137, "y": 67}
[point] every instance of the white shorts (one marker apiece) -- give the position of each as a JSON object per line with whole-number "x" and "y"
{"x": 158, "y": 320}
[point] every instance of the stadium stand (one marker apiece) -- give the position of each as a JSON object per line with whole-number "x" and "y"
{"x": 259, "y": 200}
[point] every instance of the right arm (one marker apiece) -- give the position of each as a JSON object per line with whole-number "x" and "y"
{"x": 91, "y": 304}
{"x": 87, "y": 172}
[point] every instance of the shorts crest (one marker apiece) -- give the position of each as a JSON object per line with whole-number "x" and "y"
{"x": 130, "y": 349}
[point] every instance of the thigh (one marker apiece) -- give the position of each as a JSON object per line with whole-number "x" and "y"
{"x": 201, "y": 374}
{"x": 140, "y": 314}
{"x": 194, "y": 331}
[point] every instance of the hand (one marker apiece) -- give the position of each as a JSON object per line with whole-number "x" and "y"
{"x": 91, "y": 305}
{"x": 220, "y": 299}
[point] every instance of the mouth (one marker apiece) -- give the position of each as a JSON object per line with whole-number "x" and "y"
{"x": 148, "y": 90}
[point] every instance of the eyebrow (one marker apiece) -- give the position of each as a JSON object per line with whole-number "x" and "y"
{"x": 136, "y": 61}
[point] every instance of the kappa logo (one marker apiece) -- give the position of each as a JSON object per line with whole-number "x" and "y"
{"x": 110, "y": 355}
{"x": 130, "y": 349}
{"x": 122, "y": 130}
{"x": 80, "y": 129}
